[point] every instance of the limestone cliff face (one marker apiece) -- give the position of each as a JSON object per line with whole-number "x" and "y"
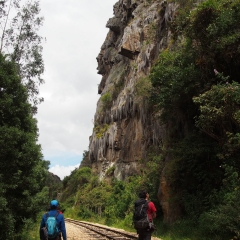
{"x": 125, "y": 126}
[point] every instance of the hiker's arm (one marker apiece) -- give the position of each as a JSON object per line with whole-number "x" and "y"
{"x": 63, "y": 228}
{"x": 41, "y": 225}
{"x": 42, "y": 222}
{"x": 153, "y": 209}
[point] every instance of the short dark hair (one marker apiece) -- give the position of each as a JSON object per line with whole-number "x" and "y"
{"x": 143, "y": 194}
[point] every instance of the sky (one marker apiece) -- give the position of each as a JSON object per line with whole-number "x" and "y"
{"x": 75, "y": 31}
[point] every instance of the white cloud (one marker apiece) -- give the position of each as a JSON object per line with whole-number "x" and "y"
{"x": 75, "y": 31}
{"x": 62, "y": 171}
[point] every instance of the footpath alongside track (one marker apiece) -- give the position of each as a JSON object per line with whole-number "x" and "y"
{"x": 78, "y": 230}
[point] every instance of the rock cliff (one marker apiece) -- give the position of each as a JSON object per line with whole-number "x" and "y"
{"x": 124, "y": 125}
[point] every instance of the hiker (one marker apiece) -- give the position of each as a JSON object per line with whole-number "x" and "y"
{"x": 146, "y": 233}
{"x": 60, "y": 223}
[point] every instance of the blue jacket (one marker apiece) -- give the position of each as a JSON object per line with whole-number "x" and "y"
{"x": 60, "y": 222}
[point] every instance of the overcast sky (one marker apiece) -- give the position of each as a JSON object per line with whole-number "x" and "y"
{"x": 75, "y": 31}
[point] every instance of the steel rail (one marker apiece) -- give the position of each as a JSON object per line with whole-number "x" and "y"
{"x": 104, "y": 231}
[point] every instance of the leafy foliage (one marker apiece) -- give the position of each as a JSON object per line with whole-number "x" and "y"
{"x": 101, "y": 129}
{"x": 106, "y": 100}
{"x": 195, "y": 171}
{"x": 109, "y": 201}
{"x": 196, "y": 86}
{"x": 143, "y": 87}
{"x": 77, "y": 178}
{"x": 54, "y": 186}
{"x": 175, "y": 81}
{"x": 214, "y": 31}
{"x": 22, "y": 170}
{"x": 22, "y": 44}
{"x": 223, "y": 219}
{"x": 219, "y": 110}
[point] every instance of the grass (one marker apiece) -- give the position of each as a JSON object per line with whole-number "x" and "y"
{"x": 181, "y": 230}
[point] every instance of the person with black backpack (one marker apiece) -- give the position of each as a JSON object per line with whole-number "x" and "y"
{"x": 53, "y": 224}
{"x": 144, "y": 212}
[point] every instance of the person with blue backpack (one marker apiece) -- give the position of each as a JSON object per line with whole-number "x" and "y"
{"x": 53, "y": 224}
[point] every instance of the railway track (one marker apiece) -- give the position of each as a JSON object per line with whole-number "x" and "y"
{"x": 100, "y": 232}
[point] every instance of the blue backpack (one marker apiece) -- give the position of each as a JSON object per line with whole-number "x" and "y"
{"x": 51, "y": 226}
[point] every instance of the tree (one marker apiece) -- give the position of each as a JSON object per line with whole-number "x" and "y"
{"x": 22, "y": 44}
{"x": 22, "y": 170}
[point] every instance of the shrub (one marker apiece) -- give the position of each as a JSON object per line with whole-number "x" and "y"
{"x": 143, "y": 87}
{"x": 100, "y": 130}
{"x": 106, "y": 100}
{"x": 175, "y": 80}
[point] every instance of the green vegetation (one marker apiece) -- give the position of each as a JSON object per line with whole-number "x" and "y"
{"x": 118, "y": 86}
{"x": 106, "y": 100}
{"x": 20, "y": 42}
{"x": 53, "y": 186}
{"x": 195, "y": 85}
{"x": 110, "y": 171}
{"x": 85, "y": 197}
{"x": 143, "y": 87}
{"x": 22, "y": 170}
{"x": 100, "y": 130}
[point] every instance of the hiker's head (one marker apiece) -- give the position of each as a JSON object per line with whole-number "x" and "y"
{"x": 143, "y": 194}
{"x": 54, "y": 204}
